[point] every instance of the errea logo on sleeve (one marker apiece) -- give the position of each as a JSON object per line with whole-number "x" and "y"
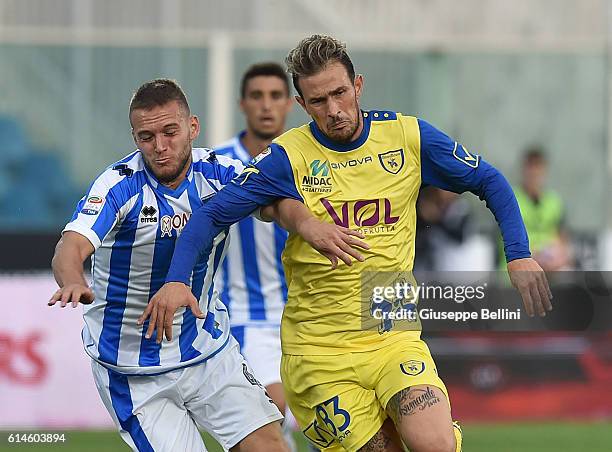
{"x": 93, "y": 205}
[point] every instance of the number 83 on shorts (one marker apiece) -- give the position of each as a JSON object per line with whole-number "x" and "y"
{"x": 331, "y": 422}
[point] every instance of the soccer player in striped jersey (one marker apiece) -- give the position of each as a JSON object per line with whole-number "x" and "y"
{"x": 159, "y": 393}
{"x": 251, "y": 280}
{"x": 351, "y": 387}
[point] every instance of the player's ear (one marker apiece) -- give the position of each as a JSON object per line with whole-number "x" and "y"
{"x": 289, "y": 104}
{"x": 358, "y": 85}
{"x": 301, "y": 102}
{"x": 134, "y": 137}
{"x": 194, "y": 127}
{"x": 132, "y": 130}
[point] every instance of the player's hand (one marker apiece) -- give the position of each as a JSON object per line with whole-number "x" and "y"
{"x": 530, "y": 280}
{"x": 333, "y": 241}
{"x": 72, "y": 293}
{"x": 163, "y": 306}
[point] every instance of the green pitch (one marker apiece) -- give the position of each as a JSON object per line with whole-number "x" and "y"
{"x": 523, "y": 437}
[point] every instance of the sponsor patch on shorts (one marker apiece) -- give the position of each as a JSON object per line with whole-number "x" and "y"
{"x": 249, "y": 376}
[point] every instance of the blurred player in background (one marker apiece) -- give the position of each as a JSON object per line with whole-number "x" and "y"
{"x": 544, "y": 214}
{"x": 251, "y": 280}
{"x": 445, "y": 225}
{"x": 159, "y": 393}
{"x": 351, "y": 388}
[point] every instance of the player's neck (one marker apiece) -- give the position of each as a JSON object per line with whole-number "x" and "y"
{"x": 359, "y": 128}
{"x": 253, "y": 143}
{"x": 533, "y": 193}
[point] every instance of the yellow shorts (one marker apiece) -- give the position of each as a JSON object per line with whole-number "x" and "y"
{"x": 339, "y": 401}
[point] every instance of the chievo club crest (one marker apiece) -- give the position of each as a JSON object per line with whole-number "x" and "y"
{"x": 392, "y": 161}
{"x": 412, "y": 367}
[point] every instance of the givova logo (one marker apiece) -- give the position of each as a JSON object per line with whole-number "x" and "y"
{"x": 318, "y": 168}
{"x": 352, "y": 163}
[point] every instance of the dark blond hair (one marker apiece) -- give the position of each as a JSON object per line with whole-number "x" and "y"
{"x": 313, "y": 54}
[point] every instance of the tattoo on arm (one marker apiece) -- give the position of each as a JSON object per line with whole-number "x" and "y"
{"x": 409, "y": 401}
{"x": 378, "y": 443}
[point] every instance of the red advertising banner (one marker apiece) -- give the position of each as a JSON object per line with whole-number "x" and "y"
{"x": 45, "y": 375}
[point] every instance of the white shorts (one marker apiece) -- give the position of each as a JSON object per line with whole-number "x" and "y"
{"x": 261, "y": 347}
{"x": 163, "y": 412}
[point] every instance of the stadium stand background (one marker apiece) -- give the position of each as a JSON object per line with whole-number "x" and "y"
{"x": 497, "y": 75}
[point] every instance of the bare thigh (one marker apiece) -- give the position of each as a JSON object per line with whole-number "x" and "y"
{"x": 422, "y": 417}
{"x": 385, "y": 440}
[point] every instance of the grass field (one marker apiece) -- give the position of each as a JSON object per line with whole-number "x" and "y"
{"x": 524, "y": 437}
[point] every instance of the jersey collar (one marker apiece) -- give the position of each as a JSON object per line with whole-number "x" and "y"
{"x": 241, "y": 152}
{"x": 342, "y": 147}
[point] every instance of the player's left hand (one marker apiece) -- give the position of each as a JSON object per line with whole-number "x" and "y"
{"x": 333, "y": 241}
{"x": 162, "y": 307}
{"x": 72, "y": 293}
{"x": 530, "y": 280}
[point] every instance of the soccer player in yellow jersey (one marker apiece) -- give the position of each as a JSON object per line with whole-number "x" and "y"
{"x": 352, "y": 388}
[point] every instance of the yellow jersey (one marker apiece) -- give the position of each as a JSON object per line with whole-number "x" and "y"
{"x": 372, "y": 188}
{"x": 369, "y": 184}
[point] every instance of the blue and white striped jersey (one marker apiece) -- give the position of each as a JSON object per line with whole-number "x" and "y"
{"x": 133, "y": 222}
{"x": 251, "y": 280}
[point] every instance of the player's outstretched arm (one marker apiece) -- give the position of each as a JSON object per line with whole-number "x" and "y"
{"x": 446, "y": 164}
{"x": 268, "y": 179}
{"x": 332, "y": 241}
{"x": 262, "y": 183}
{"x": 196, "y": 240}
{"x": 70, "y": 253}
{"x": 206, "y": 224}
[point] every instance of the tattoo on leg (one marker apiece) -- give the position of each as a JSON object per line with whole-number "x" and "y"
{"x": 410, "y": 401}
{"x": 378, "y": 443}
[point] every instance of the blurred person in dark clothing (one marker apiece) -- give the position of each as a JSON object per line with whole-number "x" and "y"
{"x": 447, "y": 235}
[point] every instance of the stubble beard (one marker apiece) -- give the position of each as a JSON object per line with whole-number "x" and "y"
{"x": 345, "y": 137}
{"x": 167, "y": 179}
{"x": 265, "y": 136}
